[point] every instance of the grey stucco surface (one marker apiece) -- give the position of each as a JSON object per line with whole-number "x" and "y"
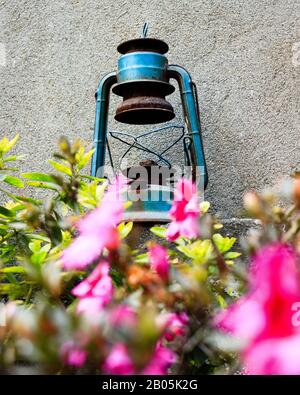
{"x": 239, "y": 52}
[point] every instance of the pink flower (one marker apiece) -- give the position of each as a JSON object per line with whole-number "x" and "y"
{"x": 95, "y": 291}
{"x": 274, "y": 356}
{"x": 73, "y": 355}
{"x": 236, "y": 319}
{"x": 85, "y": 248}
{"x": 118, "y": 361}
{"x": 159, "y": 260}
{"x": 97, "y": 230}
{"x": 184, "y": 212}
{"x": 263, "y": 317}
{"x": 162, "y": 359}
{"x": 123, "y": 315}
{"x": 176, "y": 325}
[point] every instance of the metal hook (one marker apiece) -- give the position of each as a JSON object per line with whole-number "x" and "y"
{"x": 145, "y": 30}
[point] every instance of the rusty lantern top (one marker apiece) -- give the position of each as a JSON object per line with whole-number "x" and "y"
{"x": 142, "y": 81}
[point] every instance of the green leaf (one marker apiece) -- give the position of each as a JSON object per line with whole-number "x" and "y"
{"x": 11, "y": 278}
{"x": 6, "y": 213}
{"x": 180, "y": 241}
{"x": 204, "y": 207}
{"x": 6, "y": 145}
{"x": 8, "y": 288}
{"x": 223, "y": 243}
{"x": 142, "y": 258}
{"x": 3, "y": 230}
{"x": 56, "y": 235}
{"x": 28, "y": 200}
{"x": 222, "y": 302}
{"x": 16, "y": 182}
{"x": 85, "y": 159}
{"x": 124, "y": 229}
{"x": 60, "y": 167}
{"x": 39, "y": 177}
{"x": 39, "y": 257}
{"x": 18, "y": 207}
{"x": 13, "y": 269}
{"x": 79, "y": 154}
{"x": 232, "y": 255}
{"x": 12, "y": 142}
{"x": 13, "y": 158}
{"x": 35, "y": 236}
{"x": 159, "y": 231}
{"x": 46, "y": 247}
{"x": 218, "y": 226}
{"x": 35, "y": 245}
{"x": 92, "y": 178}
{"x": 201, "y": 251}
{"x": 39, "y": 252}
{"x": 44, "y": 185}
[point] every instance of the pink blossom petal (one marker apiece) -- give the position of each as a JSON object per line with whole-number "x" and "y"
{"x": 159, "y": 260}
{"x": 73, "y": 355}
{"x": 184, "y": 190}
{"x": 90, "y": 306}
{"x": 184, "y": 212}
{"x": 100, "y": 219}
{"x": 123, "y": 315}
{"x": 244, "y": 319}
{"x": 100, "y": 271}
{"x": 87, "y": 286}
{"x": 173, "y": 231}
{"x": 118, "y": 361}
{"x": 108, "y": 213}
{"x": 275, "y": 356}
{"x": 83, "y": 251}
{"x": 154, "y": 370}
{"x": 103, "y": 288}
{"x": 275, "y": 266}
{"x": 95, "y": 291}
{"x": 163, "y": 358}
{"x": 82, "y": 289}
{"x": 77, "y": 358}
{"x": 97, "y": 230}
{"x": 176, "y": 325}
{"x": 189, "y": 227}
{"x": 193, "y": 206}
{"x": 264, "y": 316}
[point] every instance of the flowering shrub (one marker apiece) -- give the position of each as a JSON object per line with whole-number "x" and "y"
{"x": 264, "y": 318}
{"x": 77, "y": 298}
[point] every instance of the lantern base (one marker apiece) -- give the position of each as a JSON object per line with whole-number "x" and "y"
{"x": 146, "y": 216}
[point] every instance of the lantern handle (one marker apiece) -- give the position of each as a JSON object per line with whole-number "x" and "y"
{"x": 191, "y": 113}
{"x": 101, "y": 118}
{"x": 145, "y": 30}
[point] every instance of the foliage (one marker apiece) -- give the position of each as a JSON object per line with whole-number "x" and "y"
{"x": 151, "y": 309}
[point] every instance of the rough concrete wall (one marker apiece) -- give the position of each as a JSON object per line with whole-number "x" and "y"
{"x": 240, "y": 54}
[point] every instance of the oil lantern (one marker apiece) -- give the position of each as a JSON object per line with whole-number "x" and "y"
{"x": 142, "y": 80}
